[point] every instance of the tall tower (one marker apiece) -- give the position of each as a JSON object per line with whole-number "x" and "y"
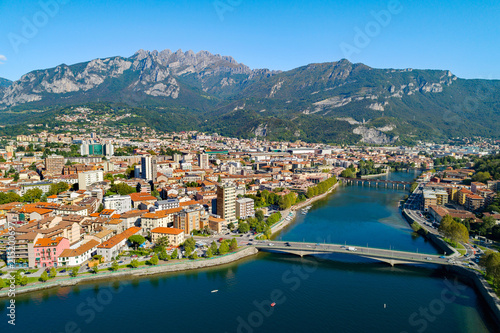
{"x": 148, "y": 168}
{"x": 203, "y": 161}
{"x": 226, "y": 202}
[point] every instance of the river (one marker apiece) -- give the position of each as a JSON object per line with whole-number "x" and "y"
{"x": 312, "y": 294}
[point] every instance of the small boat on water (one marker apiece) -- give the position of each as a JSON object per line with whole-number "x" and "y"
{"x": 214, "y": 291}
{"x": 273, "y": 304}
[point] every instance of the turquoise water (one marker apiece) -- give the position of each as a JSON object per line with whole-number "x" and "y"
{"x": 312, "y": 294}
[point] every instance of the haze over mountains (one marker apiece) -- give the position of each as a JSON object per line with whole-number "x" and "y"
{"x": 338, "y": 102}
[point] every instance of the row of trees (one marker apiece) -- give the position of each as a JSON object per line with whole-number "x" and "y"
{"x": 321, "y": 188}
{"x": 34, "y": 194}
{"x": 121, "y": 189}
{"x": 258, "y": 224}
{"x": 225, "y": 247}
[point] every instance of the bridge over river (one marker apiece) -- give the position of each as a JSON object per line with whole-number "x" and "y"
{"x": 390, "y": 256}
{"x": 376, "y": 183}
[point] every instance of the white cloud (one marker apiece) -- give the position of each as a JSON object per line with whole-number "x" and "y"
{"x": 2, "y": 59}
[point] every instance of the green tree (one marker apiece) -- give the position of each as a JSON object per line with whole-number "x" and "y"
{"x": 44, "y": 277}
{"x": 233, "y": 246}
{"x": 445, "y": 225}
{"x": 154, "y": 260}
{"x": 163, "y": 255}
{"x": 230, "y": 226}
{"x": 136, "y": 240}
{"x": 162, "y": 242}
{"x": 17, "y": 278}
{"x": 482, "y": 177}
{"x": 348, "y": 173}
{"x": 95, "y": 269}
{"x": 243, "y": 227}
{"x": 74, "y": 271}
{"x": 134, "y": 263}
{"x": 53, "y": 272}
{"x": 193, "y": 255}
{"x": 114, "y": 266}
{"x": 2, "y": 283}
{"x": 32, "y": 195}
{"x": 488, "y": 223}
{"x": 209, "y": 253}
{"x": 491, "y": 261}
{"x": 57, "y": 188}
{"x": 259, "y": 214}
{"x": 223, "y": 248}
{"x": 213, "y": 247}
{"x": 24, "y": 280}
{"x": 189, "y": 245}
{"x": 174, "y": 255}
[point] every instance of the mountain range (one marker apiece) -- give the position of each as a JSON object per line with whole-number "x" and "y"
{"x": 336, "y": 102}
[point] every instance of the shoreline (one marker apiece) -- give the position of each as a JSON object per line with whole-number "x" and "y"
{"x": 183, "y": 265}
{"x": 277, "y": 227}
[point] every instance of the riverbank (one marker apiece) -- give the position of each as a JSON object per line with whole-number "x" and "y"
{"x": 176, "y": 266}
{"x": 275, "y": 228}
{"x": 483, "y": 288}
{"x": 441, "y": 244}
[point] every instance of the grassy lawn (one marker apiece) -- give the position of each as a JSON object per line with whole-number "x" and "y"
{"x": 460, "y": 248}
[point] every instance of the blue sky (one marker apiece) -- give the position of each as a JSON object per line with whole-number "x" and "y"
{"x": 461, "y": 36}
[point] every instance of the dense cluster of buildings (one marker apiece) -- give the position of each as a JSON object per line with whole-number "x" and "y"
{"x": 447, "y": 189}
{"x": 177, "y": 183}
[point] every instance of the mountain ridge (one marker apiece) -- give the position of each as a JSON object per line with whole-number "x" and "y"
{"x": 375, "y": 106}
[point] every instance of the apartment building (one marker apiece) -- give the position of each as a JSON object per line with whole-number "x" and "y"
{"x": 120, "y": 203}
{"x": 245, "y": 208}
{"x": 87, "y": 178}
{"x": 226, "y": 202}
{"x": 175, "y": 236}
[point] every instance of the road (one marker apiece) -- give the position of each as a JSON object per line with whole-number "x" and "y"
{"x": 413, "y": 208}
{"x": 382, "y": 254}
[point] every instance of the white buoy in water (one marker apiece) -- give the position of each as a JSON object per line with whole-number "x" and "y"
{"x": 385, "y": 305}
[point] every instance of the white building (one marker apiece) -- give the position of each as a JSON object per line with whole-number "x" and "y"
{"x": 120, "y": 203}
{"x": 88, "y": 178}
{"x": 166, "y": 204}
{"x": 203, "y": 161}
{"x": 44, "y": 186}
{"x": 245, "y": 208}
{"x": 109, "y": 150}
{"x": 116, "y": 244}
{"x": 148, "y": 168}
{"x": 75, "y": 257}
